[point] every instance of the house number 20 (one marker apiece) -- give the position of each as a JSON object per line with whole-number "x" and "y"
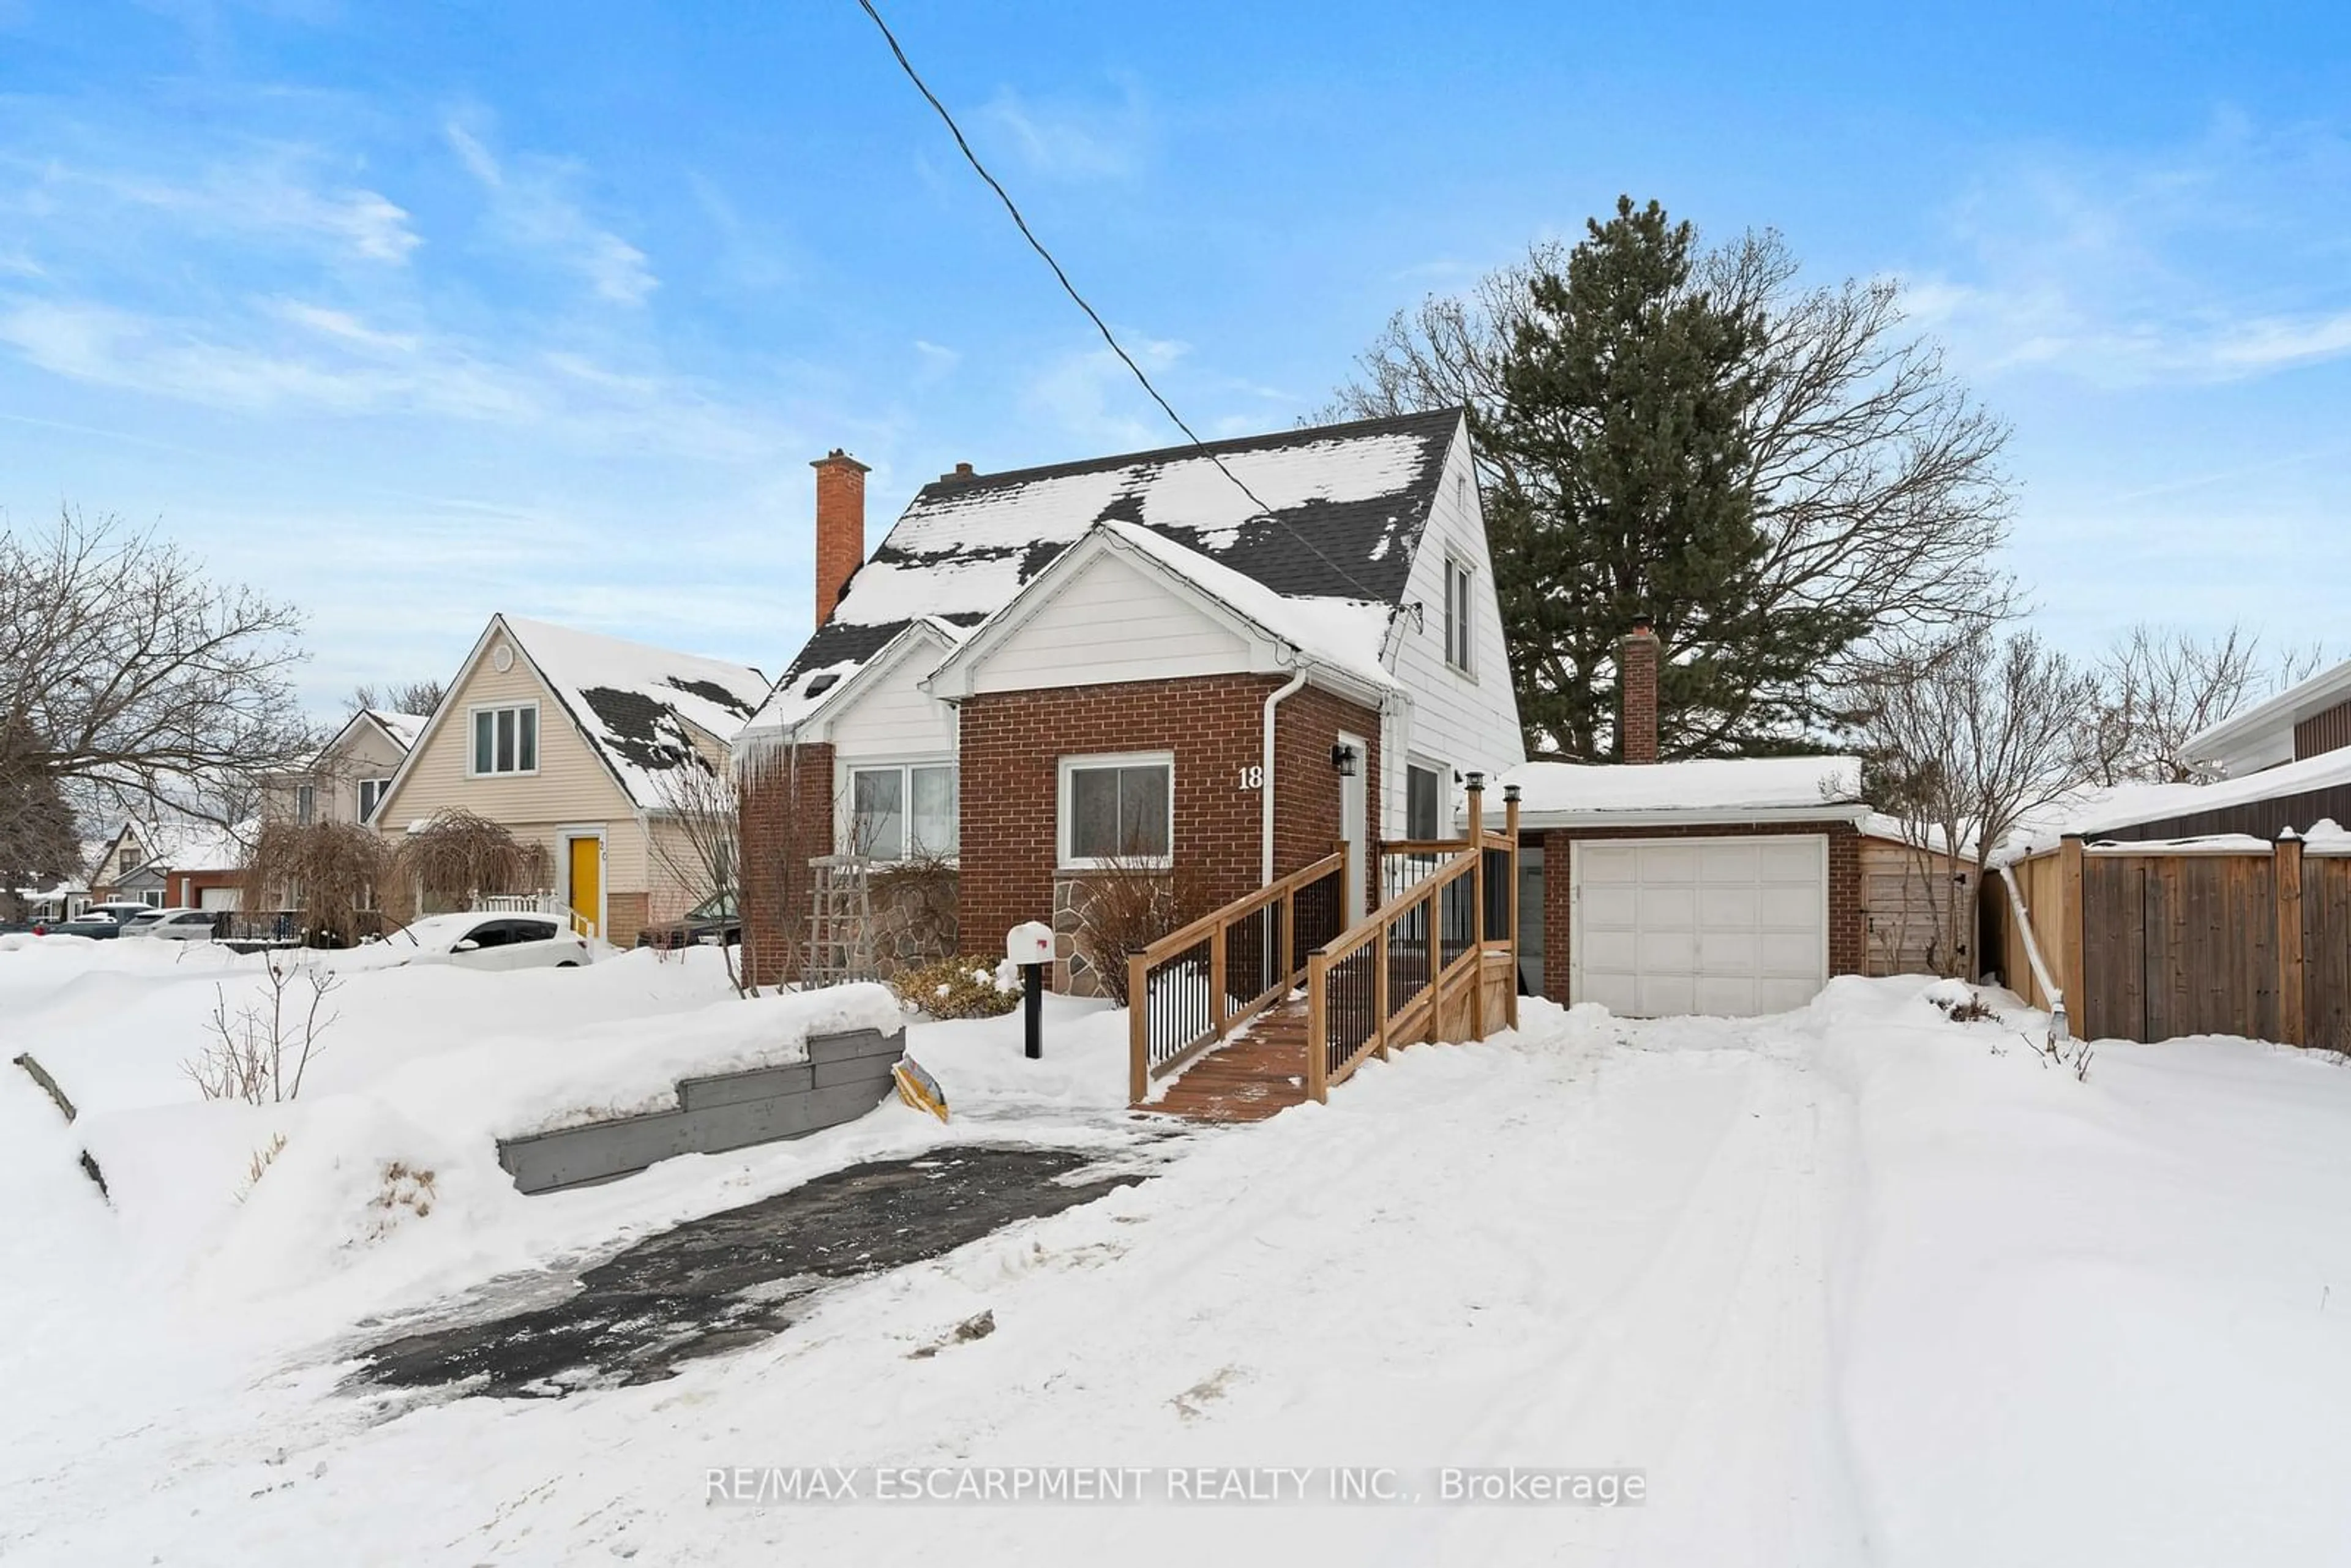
{"x": 1252, "y": 778}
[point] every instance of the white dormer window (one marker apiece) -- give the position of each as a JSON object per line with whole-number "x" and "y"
{"x": 1459, "y": 579}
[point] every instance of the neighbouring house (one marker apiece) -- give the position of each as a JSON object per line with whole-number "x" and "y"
{"x": 1720, "y": 886}
{"x": 351, "y": 774}
{"x": 2308, "y": 719}
{"x": 581, "y": 744}
{"x": 171, "y": 863}
{"x": 1133, "y": 666}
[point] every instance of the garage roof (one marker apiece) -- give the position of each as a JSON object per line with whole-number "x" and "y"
{"x": 1731, "y": 791}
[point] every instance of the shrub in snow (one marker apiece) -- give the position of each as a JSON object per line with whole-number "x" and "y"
{"x": 1958, "y": 1001}
{"x": 259, "y": 1054}
{"x": 964, "y": 988}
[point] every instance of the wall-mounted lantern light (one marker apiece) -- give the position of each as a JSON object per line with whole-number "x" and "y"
{"x": 1343, "y": 761}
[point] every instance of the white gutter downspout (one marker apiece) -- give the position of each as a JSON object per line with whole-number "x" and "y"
{"x": 1272, "y": 700}
{"x": 2058, "y": 1025}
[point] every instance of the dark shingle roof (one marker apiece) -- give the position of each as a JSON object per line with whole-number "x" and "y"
{"x": 1347, "y": 506}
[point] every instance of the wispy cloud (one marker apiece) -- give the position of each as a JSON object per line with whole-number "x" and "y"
{"x": 273, "y": 190}
{"x": 2222, "y": 259}
{"x": 937, "y": 362}
{"x": 533, "y": 208}
{"x": 1066, "y": 140}
{"x": 1093, "y": 397}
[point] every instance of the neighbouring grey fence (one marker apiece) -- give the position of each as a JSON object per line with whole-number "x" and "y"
{"x": 845, "y": 1076}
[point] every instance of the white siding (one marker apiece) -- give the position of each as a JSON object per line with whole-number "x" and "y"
{"x": 1111, "y": 622}
{"x": 1468, "y": 721}
{"x": 890, "y": 715}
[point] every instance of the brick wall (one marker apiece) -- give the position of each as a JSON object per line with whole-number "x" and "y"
{"x": 1012, "y": 742}
{"x": 786, "y": 822}
{"x": 1847, "y": 918}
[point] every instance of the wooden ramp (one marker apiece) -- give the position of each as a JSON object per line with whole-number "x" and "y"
{"x": 1249, "y": 1077}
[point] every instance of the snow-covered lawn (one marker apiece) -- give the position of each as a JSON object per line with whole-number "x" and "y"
{"x": 1852, "y": 1285}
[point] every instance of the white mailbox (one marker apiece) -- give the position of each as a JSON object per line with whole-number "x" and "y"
{"x": 1029, "y": 943}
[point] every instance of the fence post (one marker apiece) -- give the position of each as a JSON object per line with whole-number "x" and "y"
{"x": 2070, "y": 916}
{"x": 1318, "y": 1067}
{"x": 1476, "y": 906}
{"x": 1138, "y": 1029}
{"x": 1216, "y": 1009}
{"x": 1436, "y": 955}
{"x": 1510, "y": 826}
{"x": 2286, "y": 863}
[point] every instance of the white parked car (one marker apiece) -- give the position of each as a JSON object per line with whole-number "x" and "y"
{"x": 172, "y": 924}
{"x": 492, "y": 941}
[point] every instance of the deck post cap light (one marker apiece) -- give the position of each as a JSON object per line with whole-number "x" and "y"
{"x": 1477, "y": 783}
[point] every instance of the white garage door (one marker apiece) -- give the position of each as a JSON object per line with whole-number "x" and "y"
{"x": 219, "y": 898}
{"x": 1729, "y": 926}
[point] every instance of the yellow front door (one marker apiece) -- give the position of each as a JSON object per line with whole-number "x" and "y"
{"x": 587, "y": 883}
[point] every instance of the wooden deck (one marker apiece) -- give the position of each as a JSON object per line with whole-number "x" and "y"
{"x": 1249, "y": 1077}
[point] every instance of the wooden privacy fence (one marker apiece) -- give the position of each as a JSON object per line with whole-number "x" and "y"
{"x": 2151, "y": 942}
{"x": 1437, "y": 960}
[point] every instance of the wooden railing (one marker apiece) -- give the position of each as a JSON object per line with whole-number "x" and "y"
{"x": 1195, "y": 986}
{"x": 1437, "y": 961}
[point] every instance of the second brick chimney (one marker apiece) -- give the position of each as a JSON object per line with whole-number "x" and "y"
{"x": 1636, "y": 692}
{"x": 840, "y": 526}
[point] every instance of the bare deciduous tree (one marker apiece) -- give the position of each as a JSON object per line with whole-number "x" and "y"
{"x": 1972, "y": 732}
{"x": 457, "y": 857}
{"x": 132, "y": 681}
{"x": 698, "y": 838}
{"x": 329, "y": 874}
{"x": 416, "y": 697}
{"x": 1876, "y": 478}
{"x": 247, "y": 1059}
{"x": 2159, "y": 690}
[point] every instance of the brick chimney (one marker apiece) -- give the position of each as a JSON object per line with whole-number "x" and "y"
{"x": 963, "y": 473}
{"x": 1636, "y": 692}
{"x": 840, "y": 526}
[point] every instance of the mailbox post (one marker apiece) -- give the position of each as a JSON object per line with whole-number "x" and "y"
{"x": 1030, "y": 946}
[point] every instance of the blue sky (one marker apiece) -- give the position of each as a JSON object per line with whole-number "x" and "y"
{"x": 412, "y": 312}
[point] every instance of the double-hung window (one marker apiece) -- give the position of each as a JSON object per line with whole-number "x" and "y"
{"x": 902, "y": 810}
{"x": 1118, "y": 811}
{"x": 1459, "y": 623}
{"x": 306, "y": 804}
{"x": 371, "y": 792}
{"x": 505, "y": 740}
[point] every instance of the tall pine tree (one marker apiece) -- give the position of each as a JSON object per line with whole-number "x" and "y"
{"x": 1627, "y": 400}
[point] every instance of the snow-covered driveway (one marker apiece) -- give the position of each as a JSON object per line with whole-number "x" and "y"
{"x": 1847, "y": 1286}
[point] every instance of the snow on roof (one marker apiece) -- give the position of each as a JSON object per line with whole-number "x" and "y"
{"x": 2281, "y": 712}
{"x": 1725, "y": 787}
{"x": 191, "y": 845}
{"x": 1348, "y": 633}
{"x": 1345, "y": 507}
{"x": 644, "y": 709}
{"x": 403, "y": 727}
{"x": 2126, "y": 805}
{"x": 796, "y": 701}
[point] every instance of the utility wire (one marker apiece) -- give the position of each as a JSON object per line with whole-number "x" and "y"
{"x": 1092, "y": 315}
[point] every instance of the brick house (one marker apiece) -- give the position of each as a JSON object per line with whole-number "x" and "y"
{"x": 1131, "y": 663}
{"x": 1729, "y": 887}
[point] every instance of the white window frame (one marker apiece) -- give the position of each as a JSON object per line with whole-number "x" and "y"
{"x": 382, "y": 787}
{"x": 537, "y": 739}
{"x": 1415, "y": 763}
{"x": 306, "y": 803}
{"x": 1062, "y": 823}
{"x": 904, "y": 767}
{"x": 1460, "y": 622}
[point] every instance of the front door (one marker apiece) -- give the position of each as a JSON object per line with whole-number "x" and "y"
{"x": 587, "y": 884}
{"x": 1355, "y": 799}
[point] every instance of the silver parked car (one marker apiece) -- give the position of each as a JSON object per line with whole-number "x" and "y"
{"x": 493, "y": 941}
{"x": 175, "y": 925}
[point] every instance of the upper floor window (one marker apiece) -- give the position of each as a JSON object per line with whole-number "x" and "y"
{"x": 901, "y": 811}
{"x": 505, "y": 740}
{"x": 372, "y": 792}
{"x": 1118, "y": 811}
{"x": 306, "y": 804}
{"x": 1458, "y": 621}
{"x": 126, "y": 860}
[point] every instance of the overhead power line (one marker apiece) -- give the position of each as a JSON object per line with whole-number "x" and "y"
{"x": 1070, "y": 290}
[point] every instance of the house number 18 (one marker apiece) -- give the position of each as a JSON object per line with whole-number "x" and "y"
{"x": 1252, "y": 778}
